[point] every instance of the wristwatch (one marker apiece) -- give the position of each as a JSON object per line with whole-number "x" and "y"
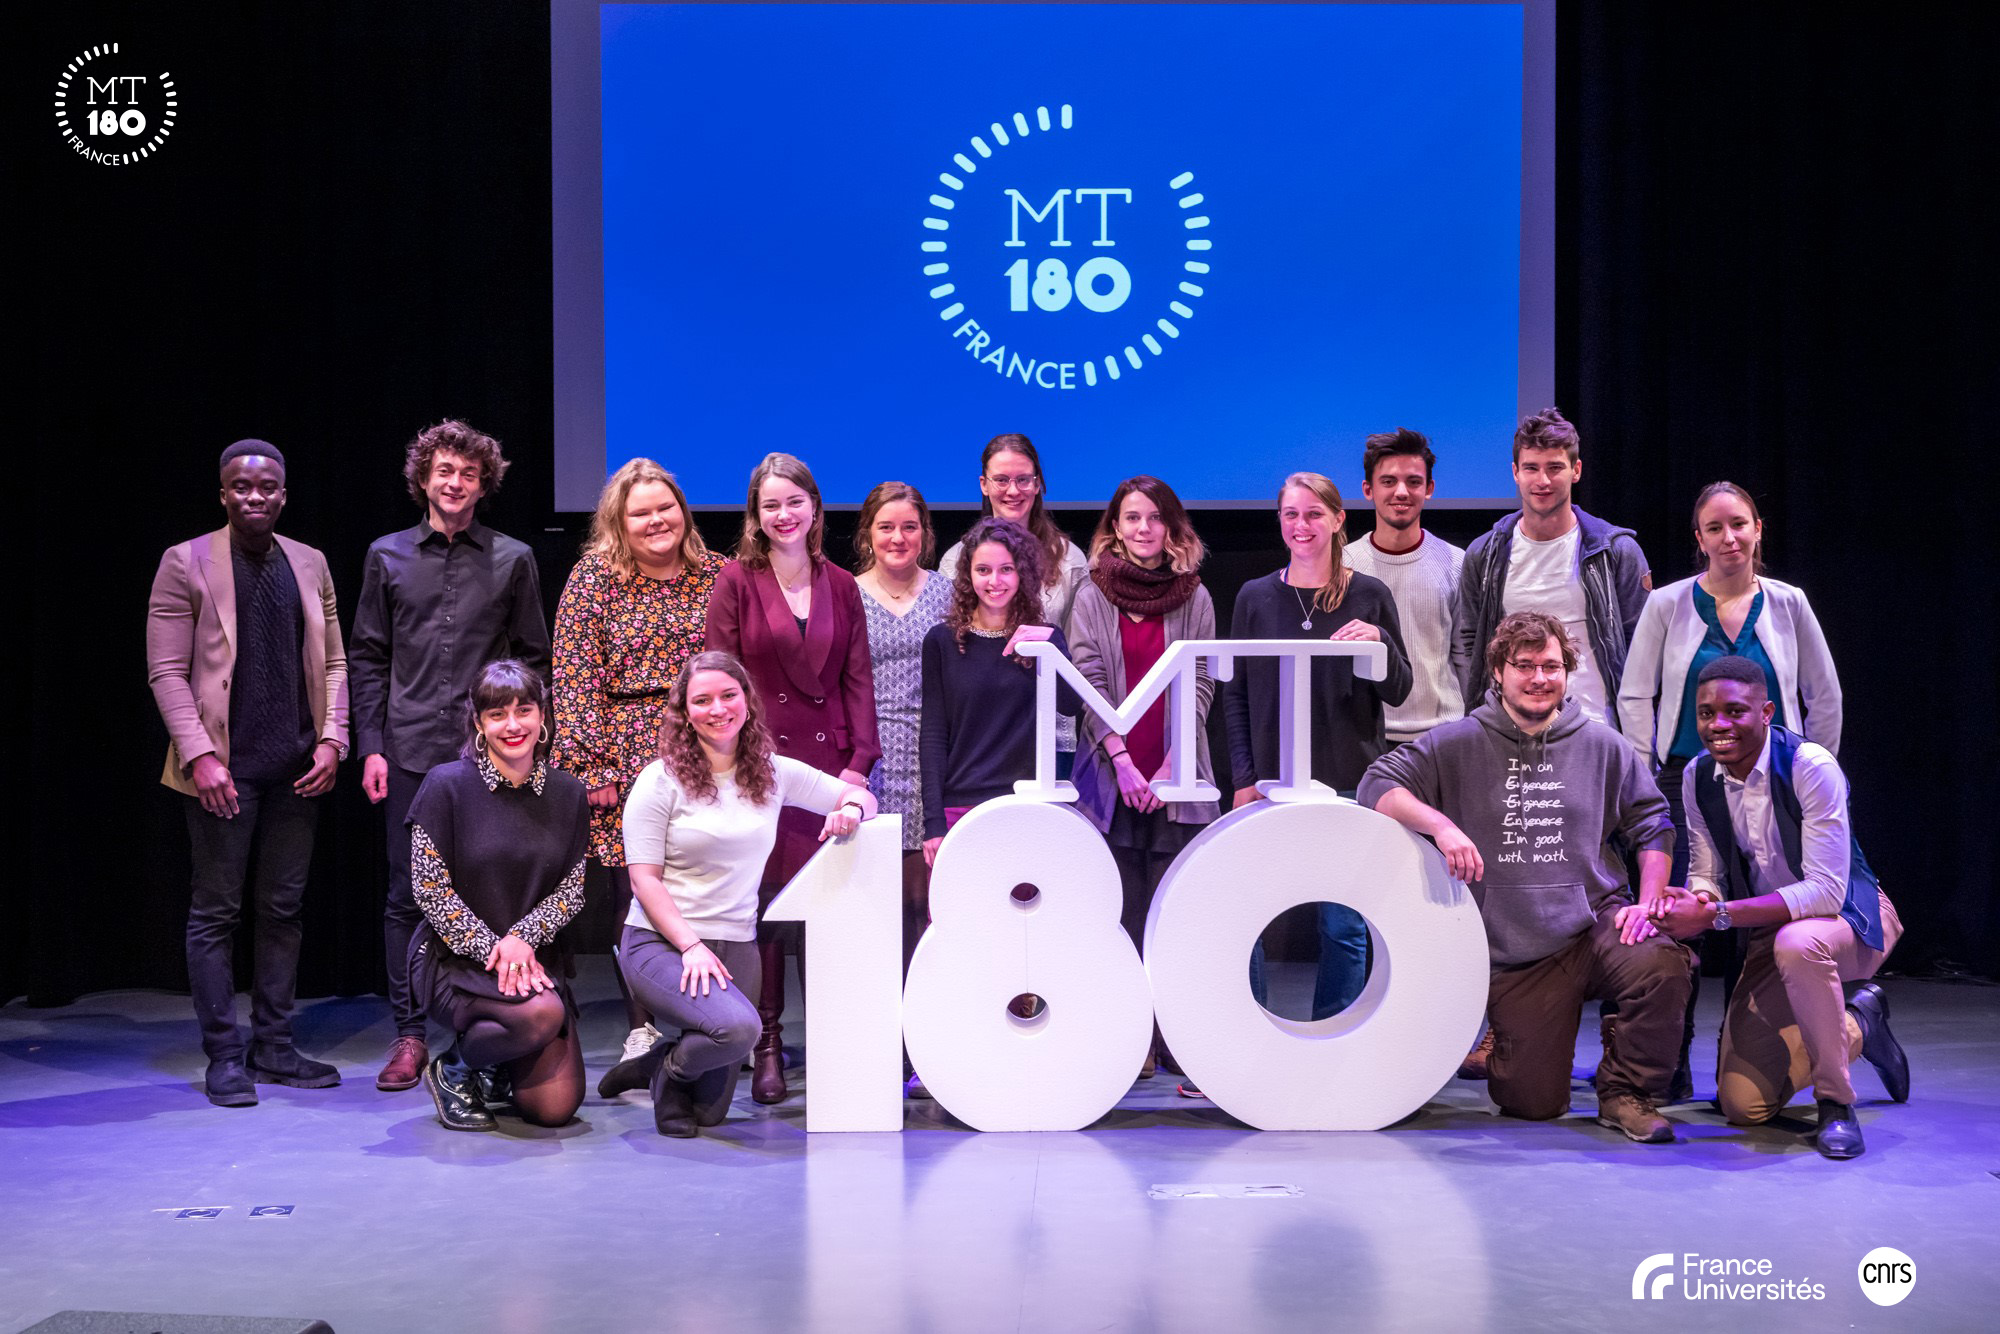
{"x": 1721, "y": 922}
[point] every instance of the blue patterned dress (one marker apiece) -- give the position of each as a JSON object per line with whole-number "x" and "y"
{"x": 896, "y": 643}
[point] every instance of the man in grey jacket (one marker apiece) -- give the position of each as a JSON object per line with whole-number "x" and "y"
{"x": 1551, "y": 556}
{"x": 1535, "y": 806}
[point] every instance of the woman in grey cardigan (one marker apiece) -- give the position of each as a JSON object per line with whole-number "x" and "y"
{"x": 1143, "y": 595}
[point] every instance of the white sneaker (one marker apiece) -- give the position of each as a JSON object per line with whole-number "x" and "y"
{"x": 639, "y": 1041}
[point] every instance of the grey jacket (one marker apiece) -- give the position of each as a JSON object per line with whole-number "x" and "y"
{"x": 1613, "y": 570}
{"x": 1551, "y": 815}
{"x": 1096, "y": 647}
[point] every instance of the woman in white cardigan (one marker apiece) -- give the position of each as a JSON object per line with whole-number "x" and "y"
{"x": 1731, "y": 607}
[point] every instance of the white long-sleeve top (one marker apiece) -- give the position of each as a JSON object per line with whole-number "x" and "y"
{"x": 1669, "y": 632}
{"x": 1825, "y": 843}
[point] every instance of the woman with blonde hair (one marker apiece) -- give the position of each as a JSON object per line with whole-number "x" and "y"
{"x": 1316, "y": 595}
{"x": 795, "y": 621}
{"x": 634, "y": 610}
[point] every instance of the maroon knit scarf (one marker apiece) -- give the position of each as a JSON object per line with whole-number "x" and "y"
{"x": 1139, "y": 591}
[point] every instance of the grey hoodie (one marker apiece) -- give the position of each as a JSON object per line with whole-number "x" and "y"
{"x": 1543, "y": 811}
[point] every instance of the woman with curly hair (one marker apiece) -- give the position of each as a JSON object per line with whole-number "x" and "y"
{"x": 699, "y": 824}
{"x": 978, "y": 726}
{"x": 634, "y": 610}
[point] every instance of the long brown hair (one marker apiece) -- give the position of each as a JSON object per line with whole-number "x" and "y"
{"x": 1026, "y": 605}
{"x": 680, "y": 747}
{"x": 754, "y": 547}
{"x": 1335, "y": 588}
{"x": 1053, "y": 543}
{"x": 888, "y": 493}
{"x": 608, "y": 540}
{"x": 1710, "y": 492}
{"x": 1184, "y": 549}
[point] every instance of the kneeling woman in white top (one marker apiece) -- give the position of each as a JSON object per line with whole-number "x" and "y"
{"x": 699, "y": 825}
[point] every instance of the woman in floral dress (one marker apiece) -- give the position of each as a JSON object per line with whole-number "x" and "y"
{"x": 635, "y": 609}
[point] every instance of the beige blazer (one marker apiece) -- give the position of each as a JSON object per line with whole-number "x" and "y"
{"x": 191, "y": 649}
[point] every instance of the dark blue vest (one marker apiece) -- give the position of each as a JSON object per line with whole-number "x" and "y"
{"x": 1862, "y": 909}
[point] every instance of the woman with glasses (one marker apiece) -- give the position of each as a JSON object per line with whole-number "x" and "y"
{"x": 1011, "y": 486}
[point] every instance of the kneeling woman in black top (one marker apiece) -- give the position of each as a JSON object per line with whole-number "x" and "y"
{"x": 497, "y": 842}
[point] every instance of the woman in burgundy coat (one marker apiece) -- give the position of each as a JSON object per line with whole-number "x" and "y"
{"x": 796, "y": 622}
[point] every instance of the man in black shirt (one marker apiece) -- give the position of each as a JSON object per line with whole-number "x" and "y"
{"x": 244, "y": 656}
{"x": 438, "y": 602}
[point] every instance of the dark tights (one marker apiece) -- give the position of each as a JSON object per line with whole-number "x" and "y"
{"x": 621, "y": 900}
{"x": 536, "y": 1041}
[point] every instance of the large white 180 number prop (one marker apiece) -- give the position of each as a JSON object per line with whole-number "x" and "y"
{"x": 1025, "y": 900}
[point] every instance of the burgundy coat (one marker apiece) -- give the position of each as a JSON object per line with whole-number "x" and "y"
{"x": 817, "y": 692}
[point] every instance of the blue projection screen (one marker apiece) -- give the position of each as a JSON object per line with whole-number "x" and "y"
{"x": 1212, "y": 242}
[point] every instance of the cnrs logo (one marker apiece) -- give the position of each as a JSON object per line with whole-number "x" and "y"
{"x": 1887, "y": 1275}
{"x": 1653, "y": 1277}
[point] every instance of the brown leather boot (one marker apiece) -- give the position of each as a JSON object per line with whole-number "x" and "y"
{"x": 767, "y": 1065}
{"x": 1474, "y": 1066}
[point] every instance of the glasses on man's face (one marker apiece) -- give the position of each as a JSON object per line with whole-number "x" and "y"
{"x": 1024, "y": 483}
{"x": 1531, "y": 670}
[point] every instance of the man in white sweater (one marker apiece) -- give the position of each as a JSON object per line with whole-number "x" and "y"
{"x": 1421, "y": 570}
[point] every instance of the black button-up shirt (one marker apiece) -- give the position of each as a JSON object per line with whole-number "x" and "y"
{"x": 433, "y": 612}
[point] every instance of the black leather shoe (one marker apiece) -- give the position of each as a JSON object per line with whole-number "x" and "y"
{"x": 495, "y": 1085}
{"x": 1878, "y": 1045}
{"x": 455, "y": 1094}
{"x": 1839, "y": 1134}
{"x": 284, "y": 1065}
{"x": 673, "y": 1106}
{"x": 1681, "y": 1087}
{"x": 636, "y": 1073}
{"x": 228, "y": 1083}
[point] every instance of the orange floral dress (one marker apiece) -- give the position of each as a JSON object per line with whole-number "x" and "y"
{"x": 620, "y": 642}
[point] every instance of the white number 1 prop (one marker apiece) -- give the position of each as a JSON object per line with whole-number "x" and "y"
{"x": 851, "y": 894}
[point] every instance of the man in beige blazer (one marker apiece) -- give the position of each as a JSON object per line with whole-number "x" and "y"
{"x": 245, "y": 660}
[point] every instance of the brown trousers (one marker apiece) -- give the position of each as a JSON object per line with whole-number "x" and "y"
{"x": 1535, "y": 1009}
{"x": 1788, "y": 1026}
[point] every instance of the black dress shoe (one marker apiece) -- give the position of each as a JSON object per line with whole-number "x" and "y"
{"x": 673, "y": 1106}
{"x": 1839, "y": 1134}
{"x": 455, "y": 1094}
{"x": 1878, "y": 1045}
{"x": 284, "y": 1065}
{"x": 228, "y": 1083}
{"x": 495, "y": 1085}
{"x": 636, "y": 1073}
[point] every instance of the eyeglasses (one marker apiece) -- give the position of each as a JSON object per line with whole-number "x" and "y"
{"x": 1026, "y": 482}
{"x": 1533, "y": 669}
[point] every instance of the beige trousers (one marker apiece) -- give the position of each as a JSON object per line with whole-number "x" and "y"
{"x": 1788, "y": 1027}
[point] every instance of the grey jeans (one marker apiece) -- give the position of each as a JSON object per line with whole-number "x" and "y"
{"x": 717, "y": 1030}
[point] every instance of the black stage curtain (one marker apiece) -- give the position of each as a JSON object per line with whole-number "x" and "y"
{"x": 1772, "y": 259}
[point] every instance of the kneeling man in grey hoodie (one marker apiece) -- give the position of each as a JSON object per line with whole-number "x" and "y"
{"x": 1535, "y": 806}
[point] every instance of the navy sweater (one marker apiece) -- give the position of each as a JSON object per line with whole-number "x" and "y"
{"x": 977, "y": 734}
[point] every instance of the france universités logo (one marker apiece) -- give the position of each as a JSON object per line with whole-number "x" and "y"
{"x": 111, "y": 111}
{"x": 1059, "y": 253}
{"x": 1659, "y": 1269}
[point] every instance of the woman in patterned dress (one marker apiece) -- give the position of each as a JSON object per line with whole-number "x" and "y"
{"x": 634, "y": 611}
{"x": 902, "y": 600}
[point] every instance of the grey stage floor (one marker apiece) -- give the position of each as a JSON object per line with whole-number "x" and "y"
{"x": 1455, "y": 1220}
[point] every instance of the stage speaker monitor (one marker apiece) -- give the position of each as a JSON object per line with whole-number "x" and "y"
{"x": 147, "y": 1322}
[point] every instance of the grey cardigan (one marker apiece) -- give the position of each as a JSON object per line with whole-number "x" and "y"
{"x": 1097, "y": 649}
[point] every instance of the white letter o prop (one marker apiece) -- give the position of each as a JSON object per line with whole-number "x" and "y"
{"x": 1366, "y": 1067}
{"x": 1071, "y": 1064}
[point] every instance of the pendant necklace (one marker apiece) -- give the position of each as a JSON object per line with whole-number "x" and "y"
{"x": 1307, "y": 623}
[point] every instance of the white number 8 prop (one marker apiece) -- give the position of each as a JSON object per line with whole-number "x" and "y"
{"x": 1376, "y": 1061}
{"x": 1069, "y": 1065}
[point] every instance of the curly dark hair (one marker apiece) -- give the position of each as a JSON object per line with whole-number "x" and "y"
{"x": 1026, "y": 606}
{"x": 680, "y": 747}
{"x": 1528, "y": 631}
{"x": 462, "y": 440}
{"x": 500, "y": 683}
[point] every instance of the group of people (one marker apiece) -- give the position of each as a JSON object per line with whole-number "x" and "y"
{"x": 698, "y": 724}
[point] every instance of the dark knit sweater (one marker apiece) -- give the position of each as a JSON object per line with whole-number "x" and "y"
{"x": 977, "y": 734}
{"x": 270, "y": 722}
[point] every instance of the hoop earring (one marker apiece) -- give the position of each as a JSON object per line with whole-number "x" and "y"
{"x": 479, "y": 742}
{"x": 545, "y": 734}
